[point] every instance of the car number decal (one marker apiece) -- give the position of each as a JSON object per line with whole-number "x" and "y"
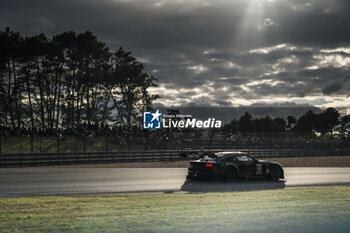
{"x": 259, "y": 169}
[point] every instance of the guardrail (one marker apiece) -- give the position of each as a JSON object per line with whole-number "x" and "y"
{"x": 8, "y": 160}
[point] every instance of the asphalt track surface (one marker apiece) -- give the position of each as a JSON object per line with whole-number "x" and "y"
{"x": 92, "y": 181}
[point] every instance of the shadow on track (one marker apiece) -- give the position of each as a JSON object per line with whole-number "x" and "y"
{"x": 211, "y": 185}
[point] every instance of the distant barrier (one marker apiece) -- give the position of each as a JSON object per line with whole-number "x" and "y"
{"x": 77, "y": 144}
{"x": 10, "y": 160}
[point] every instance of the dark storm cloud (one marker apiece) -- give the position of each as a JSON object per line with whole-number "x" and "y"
{"x": 331, "y": 88}
{"x": 223, "y": 49}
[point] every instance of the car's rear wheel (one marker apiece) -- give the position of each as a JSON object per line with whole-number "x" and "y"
{"x": 276, "y": 173}
{"x": 230, "y": 174}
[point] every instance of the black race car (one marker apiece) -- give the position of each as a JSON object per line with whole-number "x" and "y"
{"x": 233, "y": 165}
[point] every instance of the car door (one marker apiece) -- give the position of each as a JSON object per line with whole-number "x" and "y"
{"x": 246, "y": 164}
{"x": 226, "y": 162}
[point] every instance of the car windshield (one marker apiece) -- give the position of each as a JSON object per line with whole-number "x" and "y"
{"x": 243, "y": 158}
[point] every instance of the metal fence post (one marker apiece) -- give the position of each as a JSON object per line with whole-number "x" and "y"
{"x": 58, "y": 143}
{"x": 40, "y": 144}
{"x": 20, "y": 144}
{"x": 31, "y": 143}
{"x": 128, "y": 142}
{"x": 76, "y": 143}
{"x": 84, "y": 143}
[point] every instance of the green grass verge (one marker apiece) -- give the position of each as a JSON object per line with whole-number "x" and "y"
{"x": 322, "y": 209}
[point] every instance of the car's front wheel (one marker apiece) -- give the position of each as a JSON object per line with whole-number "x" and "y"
{"x": 276, "y": 173}
{"x": 230, "y": 174}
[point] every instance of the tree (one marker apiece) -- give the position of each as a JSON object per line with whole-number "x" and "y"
{"x": 132, "y": 83}
{"x": 306, "y": 123}
{"x": 10, "y": 42}
{"x": 92, "y": 56}
{"x": 345, "y": 128}
{"x": 325, "y": 121}
{"x": 279, "y": 124}
{"x": 69, "y": 80}
{"x": 245, "y": 122}
{"x": 291, "y": 122}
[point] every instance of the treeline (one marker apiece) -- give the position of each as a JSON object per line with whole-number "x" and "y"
{"x": 69, "y": 80}
{"x": 310, "y": 122}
